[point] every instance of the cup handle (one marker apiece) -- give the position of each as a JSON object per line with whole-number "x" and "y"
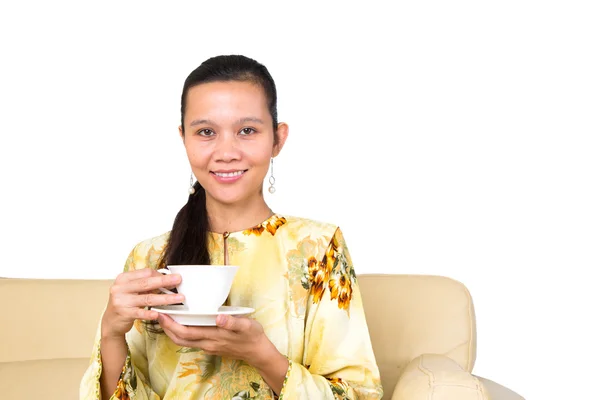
{"x": 165, "y": 272}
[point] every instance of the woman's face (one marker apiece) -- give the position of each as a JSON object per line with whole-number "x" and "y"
{"x": 229, "y": 139}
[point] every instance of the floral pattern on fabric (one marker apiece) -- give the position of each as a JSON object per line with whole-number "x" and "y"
{"x": 339, "y": 388}
{"x": 298, "y": 276}
{"x": 270, "y": 225}
{"x": 299, "y": 260}
{"x": 336, "y": 271}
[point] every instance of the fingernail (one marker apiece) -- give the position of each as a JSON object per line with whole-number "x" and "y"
{"x": 179, "y": 297}
{"x": 221, "y": 319}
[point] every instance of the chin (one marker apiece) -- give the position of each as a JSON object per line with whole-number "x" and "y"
{"x": 229, "y": 198}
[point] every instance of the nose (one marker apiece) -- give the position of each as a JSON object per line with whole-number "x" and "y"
{"x": 227, "y": 148}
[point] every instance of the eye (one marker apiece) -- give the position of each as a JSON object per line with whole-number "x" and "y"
{"x": 205, "y": 132}
{"x": 247, "y": 131}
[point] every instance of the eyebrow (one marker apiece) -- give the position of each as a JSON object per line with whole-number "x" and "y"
{"x": 239, "y": 121}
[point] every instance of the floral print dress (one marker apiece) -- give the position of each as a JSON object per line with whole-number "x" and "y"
{"x": 298, "y": 276}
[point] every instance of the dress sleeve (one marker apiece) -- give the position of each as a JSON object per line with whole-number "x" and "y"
{"x": 339, "y": 362}
{"x": 133, "y": 383}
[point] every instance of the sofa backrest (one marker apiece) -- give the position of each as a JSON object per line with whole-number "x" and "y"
{"x": 47, "y": 330}
{"x": 44, "y": 319}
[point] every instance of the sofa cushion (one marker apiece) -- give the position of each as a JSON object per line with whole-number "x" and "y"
{"x": 57, "y": 319}
{"x": 436, "y": 377}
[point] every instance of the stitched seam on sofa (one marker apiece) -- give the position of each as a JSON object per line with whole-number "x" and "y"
{"x": 432, "y": 384}
{"x": 478, "y": 393}
{"x": 471, "y": 357}
{"x": 480, "y": 387}
{"x": 452, "y": 356}
{"x": 450, "y": 384}
{"x": 429, "y": 375}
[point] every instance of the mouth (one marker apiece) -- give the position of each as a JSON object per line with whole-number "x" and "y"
{"x": 229, "y": 174}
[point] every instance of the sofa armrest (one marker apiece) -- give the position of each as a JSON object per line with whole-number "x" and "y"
{"x": 497, "y": 391}
{"x": 437, "y": 377}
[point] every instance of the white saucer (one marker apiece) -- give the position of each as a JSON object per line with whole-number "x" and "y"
{"x": 183, "y": 316}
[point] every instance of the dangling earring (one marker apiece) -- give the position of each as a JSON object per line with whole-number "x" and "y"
{"x": 272, "y": 179}
{"x": 191, "y": 190}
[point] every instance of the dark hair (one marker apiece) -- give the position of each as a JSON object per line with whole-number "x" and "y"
{"x": 187, "y": 243}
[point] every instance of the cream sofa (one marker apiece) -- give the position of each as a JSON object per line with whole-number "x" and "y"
{"x": 422, "y": 328}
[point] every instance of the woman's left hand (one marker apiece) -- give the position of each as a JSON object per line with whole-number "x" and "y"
{"x": 234, "y": 337}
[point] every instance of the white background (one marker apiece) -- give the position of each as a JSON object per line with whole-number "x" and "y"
{"x": 457, "y": 138}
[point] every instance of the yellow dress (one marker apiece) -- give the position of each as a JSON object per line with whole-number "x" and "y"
{"x": 298, "y": 276}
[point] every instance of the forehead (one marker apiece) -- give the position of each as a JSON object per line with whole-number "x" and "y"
{"x": 225, "y": 99}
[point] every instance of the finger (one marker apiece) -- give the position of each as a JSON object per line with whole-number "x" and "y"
{"x": 210, "y": 347}
{"x": 143, "y": 314}
{"x": 150, "y": 299}
{"x": 174, "y": 338}
{"x": 166, "y": 324}
{"x": 154, "y": 282}
{"x": 191, "y": 333}
{"x": 233, "y": 324}
{"x": 169, "y": 324}
{"x": 156, "y": 291}
{"x": 122, "y": 300}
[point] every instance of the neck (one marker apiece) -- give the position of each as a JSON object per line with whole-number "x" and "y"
{"x": 236, "y": 217}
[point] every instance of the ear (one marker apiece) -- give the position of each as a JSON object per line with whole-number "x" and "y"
{"x": 181, "y": 133}
{"x": 282, "y": 134}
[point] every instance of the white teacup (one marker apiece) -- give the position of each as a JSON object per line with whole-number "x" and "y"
{"x": 205, "y": 287}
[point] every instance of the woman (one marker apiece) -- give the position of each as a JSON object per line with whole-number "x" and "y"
{"x": 308, "y": 337}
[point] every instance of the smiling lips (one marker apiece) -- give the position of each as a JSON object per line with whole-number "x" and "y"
{"x": 228, "y": 176}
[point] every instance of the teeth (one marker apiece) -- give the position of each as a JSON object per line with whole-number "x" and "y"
{"x": 229, "y": 174}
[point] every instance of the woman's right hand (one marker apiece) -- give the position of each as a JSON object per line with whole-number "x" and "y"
{"x": 129, "y": 295}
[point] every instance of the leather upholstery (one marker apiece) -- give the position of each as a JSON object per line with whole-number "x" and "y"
{"x": 422, "y": 329}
